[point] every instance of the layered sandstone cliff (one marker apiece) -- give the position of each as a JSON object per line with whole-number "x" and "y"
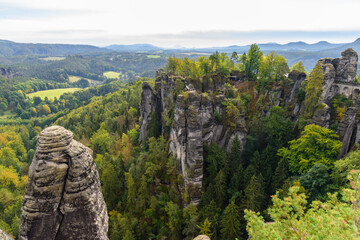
{"x": 63, "y": 198}
{"x": 193, "y": 124}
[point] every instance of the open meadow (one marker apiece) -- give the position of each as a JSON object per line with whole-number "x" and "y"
{"x": 51, "y": 94}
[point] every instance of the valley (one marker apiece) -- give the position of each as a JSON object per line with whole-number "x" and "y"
{"x": 176, "y": 144}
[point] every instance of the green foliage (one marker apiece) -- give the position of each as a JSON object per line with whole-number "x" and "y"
{"x": 254, "y": 194}
{"x": 343, "y": 167}
{"x": 316, "y": 145}
{"x": 272, "y": 69}
{"x": 316, "y": 181}
{"x": 230, "y": 223}
{"x": 333, "y": 219}
{"x": 313, "y": 90}
{"x": 205, "y": 228}
{"x": 299, "y": 66}
{"x": 253, "y": 62}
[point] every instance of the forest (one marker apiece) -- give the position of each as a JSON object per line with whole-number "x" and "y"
{"x": 286, "y": 182}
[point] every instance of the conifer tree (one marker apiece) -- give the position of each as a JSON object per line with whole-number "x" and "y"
{"x": 313, "y": 90}
{"x": 281, "y": 173}
{"x": 230, "y": 222}
{"x": 220, "y": 188}
{"x": 254, "y": 194}
{"x": 191, "y": 221}
{"x": 235, "y": 155}
{"x": 205, "y": 228}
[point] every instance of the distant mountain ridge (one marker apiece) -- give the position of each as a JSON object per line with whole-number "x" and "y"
{"x": 292, "y": 51}
{"x": 134, "y": 48}
{"x": 9, "y": 48}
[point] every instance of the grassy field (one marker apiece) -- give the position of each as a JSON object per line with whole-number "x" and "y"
{"x": 7, "y": 114}
{"x": 153, "y": 56}
{"x": 111, "y": 74}
{"x": 51, "y": 94}
{"x": 47, "y": 59}
{"x": 73, "y": 79}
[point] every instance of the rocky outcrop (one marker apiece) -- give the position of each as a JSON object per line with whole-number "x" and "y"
{"x": 321, "y": 116}
{"x": 329, "y": 79}
{"x": 4, "y": 236}
{"x": 6, "y": 72}
{"x": 340, "y": 70}
{"x": 346, "y": 128}
{"x": 193, "y": 124}
{"x": 186, "y": 142}
{"x": 297, "y": 78}
{"x": 63, "y": 198}
{"x": 202, "y": 237}
{"x": 346, "y": 66}
{"x": 148, "y": 106}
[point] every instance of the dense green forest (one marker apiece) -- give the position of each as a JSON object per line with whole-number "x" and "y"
{"x": 288, "y": 173}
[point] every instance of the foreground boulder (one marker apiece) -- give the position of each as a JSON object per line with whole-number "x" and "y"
{"x": 4, "y": 236}
{"x": 63, "y": 198}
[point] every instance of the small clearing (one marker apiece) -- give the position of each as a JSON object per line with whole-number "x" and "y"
{"x": 51, "y": 94}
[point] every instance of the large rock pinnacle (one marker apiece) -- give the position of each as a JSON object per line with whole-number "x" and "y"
{"x": 63, "y": 198}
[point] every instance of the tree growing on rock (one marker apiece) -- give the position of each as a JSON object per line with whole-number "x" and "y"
{"x": 313, "y": 90}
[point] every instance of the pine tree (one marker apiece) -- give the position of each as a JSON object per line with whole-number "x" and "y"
{"x": 235, "y": 155}
{"x": 281, "y": 173}
{"x": 236, "y": 183}
{"x": 205, "y": 228}
{"x": 191, "y": 221}
{"x": 130, "y": 184}
{"x": 254, "y": 194}
{"x": 313, "y": 90}
{"x": 128, "y": 235}
{"x": 220, "y": 188}
{"x": 230, "y": 223}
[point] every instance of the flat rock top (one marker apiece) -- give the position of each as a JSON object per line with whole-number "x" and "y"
{"x": 202, "y": 237}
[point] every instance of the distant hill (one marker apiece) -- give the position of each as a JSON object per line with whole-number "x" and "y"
{"x": 134, "y": 48}
{"x": 9, "y": 48}
{"x": 293, "y": 51}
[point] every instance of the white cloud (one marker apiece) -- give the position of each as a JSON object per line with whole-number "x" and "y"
{"x": 88, "y": 21}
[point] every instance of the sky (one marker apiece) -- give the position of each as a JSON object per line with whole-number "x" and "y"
{"x": 186, "y": 23}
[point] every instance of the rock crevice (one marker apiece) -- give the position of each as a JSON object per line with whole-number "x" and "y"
{"x": 63, "y": 198}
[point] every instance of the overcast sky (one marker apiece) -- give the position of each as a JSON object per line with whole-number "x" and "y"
{"x": 168, "y": 23}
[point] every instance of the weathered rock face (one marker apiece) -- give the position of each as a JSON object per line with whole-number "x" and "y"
{"x": 346, "y": 128}
{"x": 6, "y": 72}
{"x": 4, "y": 236}
{"x": 63, "y": 198}
{"x": 202, "y": 237}
{"x": 346, "y": 66}
{"x": 321, "y": 116}
{"x": 187, "y": 143}
{"x": 194, "y": 124}
{"x": 340, "y": 70}
{"x": 297, "y": 77}
{"x": 148, "y": 106}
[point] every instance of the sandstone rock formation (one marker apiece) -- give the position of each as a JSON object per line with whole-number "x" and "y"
{"x": 202, "y": 237}
{"x": 4, "y": 236}
{"x": 321, "y": 116}
{"x": 148, "y": 106}
{"x": 193, "y": 125}
{"x": 63, "y": 198}
{"x": 6, "y": 72}
{"x": 346, "y": 66}
{"x": 297, "y": 77}
{"x": 346, "y": 128}
{"x": 339, "y": 70}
